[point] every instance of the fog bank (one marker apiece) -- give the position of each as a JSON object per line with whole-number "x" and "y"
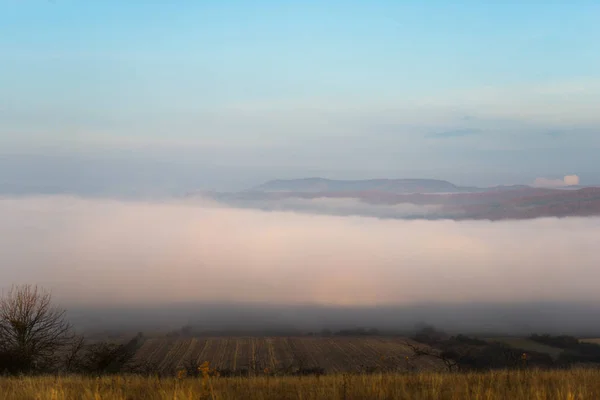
{"x": 109, "y": 252}
{"x": 288, "y": 320}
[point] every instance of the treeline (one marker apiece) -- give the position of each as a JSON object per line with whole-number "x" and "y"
{"x": 190, "y": 331}
{"x": 348, "y": 332}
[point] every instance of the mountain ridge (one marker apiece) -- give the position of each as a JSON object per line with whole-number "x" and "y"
{"x": 317, "y": 184}
{"x": 397, "y": 186}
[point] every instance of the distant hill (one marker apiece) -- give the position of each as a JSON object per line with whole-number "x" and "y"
{"x": 314, "y": 185}
{"x": 559, "y": 203}
{"x": 394, "y": 186}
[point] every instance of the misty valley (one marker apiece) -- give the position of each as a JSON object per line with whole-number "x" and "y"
{"x": 181, "y": 286}
{"x": 299, "y": 200}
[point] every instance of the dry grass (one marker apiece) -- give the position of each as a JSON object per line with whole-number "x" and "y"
{"x": 590, "y": 340}
{"x": 568, "y": 385}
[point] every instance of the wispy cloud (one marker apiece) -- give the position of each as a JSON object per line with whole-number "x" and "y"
{"x": 553, "y": 133}
{"x": 453, "y": 133}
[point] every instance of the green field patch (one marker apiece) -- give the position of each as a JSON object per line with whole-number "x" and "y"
{"x": 528, "y": 345}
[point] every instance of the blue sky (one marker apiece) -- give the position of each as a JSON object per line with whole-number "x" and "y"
{"x": 223, "y": 94}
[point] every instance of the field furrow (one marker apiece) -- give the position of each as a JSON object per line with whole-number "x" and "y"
{"x": 342, "y": 360}
{"x": 226, "y": 348}
{"x": 244, "y": 354}
{"x": 272, "y": 362}
{"x": 283, "y": 353}
{"x": 203, "y": 354}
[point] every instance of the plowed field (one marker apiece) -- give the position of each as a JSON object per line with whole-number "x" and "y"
{"x": 284, "y": 353}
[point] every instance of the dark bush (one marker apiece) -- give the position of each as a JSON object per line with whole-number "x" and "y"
{"x": 429, "y": 335}
{"x": 108, "y": 358}
{"x": 562, "y": 341}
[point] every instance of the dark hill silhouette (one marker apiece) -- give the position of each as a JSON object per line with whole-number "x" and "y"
{"x": 443, "y": 199}
{"x": 384, "y": 185}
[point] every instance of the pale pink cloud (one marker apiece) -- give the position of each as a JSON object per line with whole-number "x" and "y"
{"x": 112, "y": 252}
{"x": 569, "y": 180}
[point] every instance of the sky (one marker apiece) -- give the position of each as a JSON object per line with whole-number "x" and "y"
{"x": 129, "y": 98}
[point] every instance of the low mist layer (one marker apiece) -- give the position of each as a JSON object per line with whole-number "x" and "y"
{"x": 343, "y": 206}
{"x": 103, "y": 252}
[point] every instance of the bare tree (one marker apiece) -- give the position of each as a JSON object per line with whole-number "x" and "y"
{"x": 419, "y": 351}
{"x": 32, "y": 330}
{"x": 73, "y": 354}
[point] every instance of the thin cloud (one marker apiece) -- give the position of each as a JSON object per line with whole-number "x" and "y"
{"x": 569, "y": 180}
{"x": 554, "y": 133}
{"x": 455, "y": 133}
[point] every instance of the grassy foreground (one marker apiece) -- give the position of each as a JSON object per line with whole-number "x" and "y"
{"x": 568, "y": 385}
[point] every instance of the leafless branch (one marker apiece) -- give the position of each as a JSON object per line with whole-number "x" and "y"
{"x": 31, "y": 328}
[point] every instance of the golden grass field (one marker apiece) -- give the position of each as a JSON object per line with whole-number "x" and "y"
{"x": 514, "y": 385}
